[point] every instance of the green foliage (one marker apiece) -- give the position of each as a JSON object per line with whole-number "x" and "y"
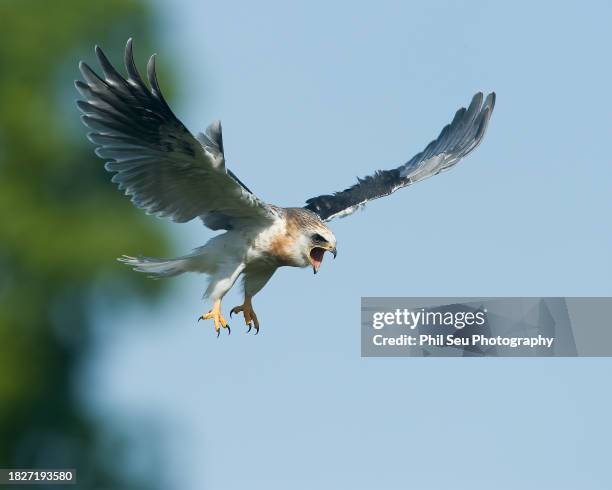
{"x": 62, "y": 224}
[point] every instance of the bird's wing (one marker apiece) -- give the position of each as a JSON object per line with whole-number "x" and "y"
{"x": 157, "y": 162}
{"x": 456, "y": 140}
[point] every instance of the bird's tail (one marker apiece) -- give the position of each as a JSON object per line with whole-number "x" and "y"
{"x": 156, "y": 267}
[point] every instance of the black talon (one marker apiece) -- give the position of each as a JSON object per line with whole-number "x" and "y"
{"x": 229, "y": 330}
{"x": 199, "y": 318}
{"x": 218, "y": 333}
{"x": 256, "y": 329}
{"x": 231, "y": 312}
{"x": 249, "y": 327}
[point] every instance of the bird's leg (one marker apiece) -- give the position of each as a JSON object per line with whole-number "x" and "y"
{"x": 217, "y": 317}
{"x": 250, "y": 318}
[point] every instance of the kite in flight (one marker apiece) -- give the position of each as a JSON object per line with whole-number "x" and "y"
{"x": 169, "y": 172}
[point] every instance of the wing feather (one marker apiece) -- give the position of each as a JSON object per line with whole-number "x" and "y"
{"x": 157, "y": 162}
{"x": 458, "y": 138}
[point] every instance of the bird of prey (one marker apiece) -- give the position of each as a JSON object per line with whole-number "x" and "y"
{"x": 169, "y": 172}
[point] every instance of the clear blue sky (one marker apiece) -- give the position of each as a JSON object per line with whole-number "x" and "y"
{"x": 312, "y": 95}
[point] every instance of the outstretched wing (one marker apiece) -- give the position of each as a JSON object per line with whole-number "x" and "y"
{"x": 157, "y": 162}
{"x": 456, "y": 140}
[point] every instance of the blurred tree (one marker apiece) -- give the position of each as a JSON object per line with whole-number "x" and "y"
{"x": 62, "y": 224}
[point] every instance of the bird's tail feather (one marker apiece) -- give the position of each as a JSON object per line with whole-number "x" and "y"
{"x": 155, "y": 267}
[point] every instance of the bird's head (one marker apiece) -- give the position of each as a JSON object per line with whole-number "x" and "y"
{"x": 319, "y": 239}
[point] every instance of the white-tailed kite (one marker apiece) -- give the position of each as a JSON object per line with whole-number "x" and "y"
{"x": 170, "y": 173}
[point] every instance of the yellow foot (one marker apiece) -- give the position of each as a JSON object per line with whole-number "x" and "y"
{"x": 250, "y": 318}
{"x": 217, "y": 317}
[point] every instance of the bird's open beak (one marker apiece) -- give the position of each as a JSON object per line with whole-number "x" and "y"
{"x": 316, "y": 256}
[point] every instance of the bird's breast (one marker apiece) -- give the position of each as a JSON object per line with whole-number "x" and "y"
{"x": 279, "y": 245}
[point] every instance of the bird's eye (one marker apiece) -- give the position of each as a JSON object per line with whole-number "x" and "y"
{"x": 318, "y": 238}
